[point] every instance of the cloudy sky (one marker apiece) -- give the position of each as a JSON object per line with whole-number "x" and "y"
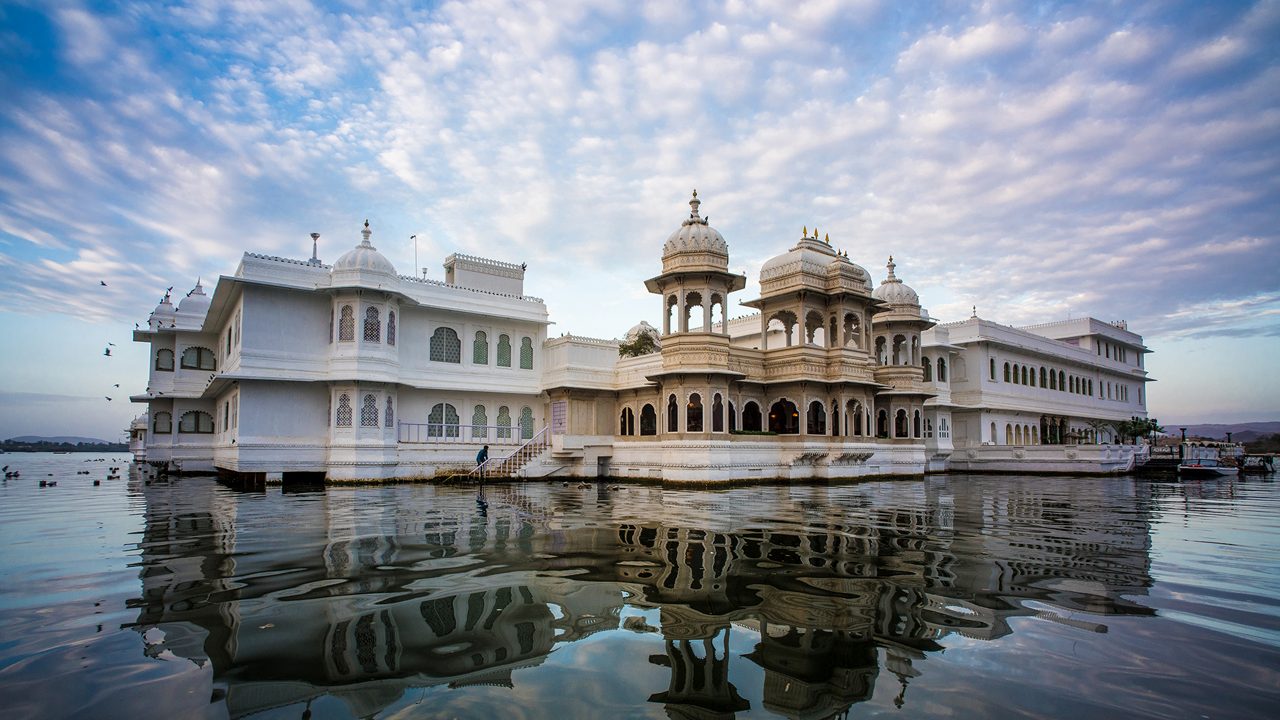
{"x": 1038, "y": 160}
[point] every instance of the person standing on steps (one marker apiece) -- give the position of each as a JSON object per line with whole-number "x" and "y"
{"x": 482, "y": 457}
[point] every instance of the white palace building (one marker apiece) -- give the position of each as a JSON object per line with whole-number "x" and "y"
{"x": 298, "y": 370}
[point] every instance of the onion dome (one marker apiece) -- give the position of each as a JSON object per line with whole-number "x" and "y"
{"x": 164, "y": 313}
{"x": 364, "y": 258}
{"x": 813, "y": 264}
{"x": 643, "y": 328}
{"x": 695, "y": 244}
{"x": 196, "y": 302}
{"x": 895, "y": 292}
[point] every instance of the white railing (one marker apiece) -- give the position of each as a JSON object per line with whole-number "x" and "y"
{"x": 455, "y": 433}
{"x": 508, "y": 466}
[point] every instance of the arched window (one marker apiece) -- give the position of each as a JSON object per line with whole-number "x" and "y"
{"x": 942, "y": 369}
{"x": 504, "y": 423}
{"x": 717, "y": 413}
{"x": 812, "y": 328}
{"x": 196, "y": 421}
{"x": 479, "y": 423}
{"x": 1024, "y": 375}
{"x": 164, "y": 359}
{"x": 346, "y": 324}
{"x": 627, "y": 422}
{"x": 915, "y": 424}
{"x": 900, "y": 424}
{"x": 1062, "y": 380}
{"x": 526, "y": 423}
{"x": 445, "y": 346}
{"x": 928, "y": 428}
{"x": 673, "y": 325}
{"x": 526, "y": 353}
{"x": 372, "y": 325}
{"x": 648, "y": 420}
{"x": 752, "y": 418}
{"x": 480, "y": 349}
{"x": 693, "y": 414}
{"x": 881, "y": 355}
{"x": 816, "y": 419}
{"x": 855, "y": 418}
{"x": 901, "y": 355}
{"x": 442, "y": 421}
{"x": 928, "y": 369}
{"x": 673, "y": 415}
{"x": 733, "y": 418}
{"x": 1006, "y": 372}
{"x": 343, "y": 418}
{"x": 693, "y": 304}
{"x": 882, "y": 424}
{"x": 391, "y": 327}
{"x": 993, "y": 368}
{"x": 1035, "y": 435}
{"x": 369, "y": 411}
{"x": 504, "y": 351}
{"x": 1053, "y": 380}
{"x": 1017, "y": 435}
{"x": 162, "y": 424}
{"x": 390, "y": 415}
{"x": 852, "y": 330}
{"x": 784, "y": 418}
{"x": 198, "y": 358}
{"x": 944, "y": 428}
{"x": 1008, "y": 434}
{"x": 994, "y": 439}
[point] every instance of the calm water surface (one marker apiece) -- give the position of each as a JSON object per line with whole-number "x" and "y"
{"x": 953, "y": 596}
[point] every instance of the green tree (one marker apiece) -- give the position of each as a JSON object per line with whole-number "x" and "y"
{"x": 642, "y": 344}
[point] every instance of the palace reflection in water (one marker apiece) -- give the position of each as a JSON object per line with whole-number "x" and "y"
{"x": 363, "y": 594}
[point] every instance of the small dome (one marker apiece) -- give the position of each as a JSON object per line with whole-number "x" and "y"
{"x": 364, "y": 258}
{"x": 895, "y": 292}
{"x": 842, "y": 266}
{"x": 196, "y": 302}
{"x": 809, "y": 255}
{"x": 695, "y": 235}
{"x": 642, "y": 328}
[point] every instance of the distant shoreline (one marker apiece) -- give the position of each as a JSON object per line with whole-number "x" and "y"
{"x": 11, "y": 447}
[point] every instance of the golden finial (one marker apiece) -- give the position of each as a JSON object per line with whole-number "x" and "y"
{"x": 827, "y": 238}
{"x": 806, "y": 231}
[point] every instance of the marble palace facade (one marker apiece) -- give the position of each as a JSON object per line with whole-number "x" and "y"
{"x": 295, "y": 369}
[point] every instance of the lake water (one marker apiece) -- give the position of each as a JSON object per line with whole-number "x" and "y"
{"x": 951, "y": 596}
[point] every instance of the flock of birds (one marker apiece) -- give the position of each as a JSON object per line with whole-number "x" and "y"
{"x": 113, "y": 473}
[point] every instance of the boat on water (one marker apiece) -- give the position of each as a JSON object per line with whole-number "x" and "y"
{"x": 1205, "y": 468}
{"x": 1261, "y": 464}
{"x": 1205, "y": 460}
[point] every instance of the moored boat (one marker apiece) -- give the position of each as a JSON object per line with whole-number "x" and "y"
{"x": 1205, "y": 468}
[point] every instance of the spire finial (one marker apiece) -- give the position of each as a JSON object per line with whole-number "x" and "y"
{"x": 805, "y": 230}
{"x": 366, "y": 232}
{"x": 694, "y": 202}
{"x": 975, "y": 311}
{"x": 827, "y": 238}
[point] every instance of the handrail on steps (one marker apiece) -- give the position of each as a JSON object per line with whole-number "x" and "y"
{"x": 503, "y": 467}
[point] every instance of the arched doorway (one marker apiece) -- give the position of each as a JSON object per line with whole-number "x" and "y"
{"x": 784, "y": 418}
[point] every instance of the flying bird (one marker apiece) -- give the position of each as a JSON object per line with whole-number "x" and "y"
{"x": 116, "y": 385}
{"x": 106, "y": 351}
{"x": 111, "y": 344}
{"x": 103, "y": 283}
{"x": 108, "y": 399}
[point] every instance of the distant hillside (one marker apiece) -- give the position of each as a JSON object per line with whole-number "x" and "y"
{"x": 1241, "y": 432}
{"x": 32, "y": 443}
{"x": 58, "y": 439}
